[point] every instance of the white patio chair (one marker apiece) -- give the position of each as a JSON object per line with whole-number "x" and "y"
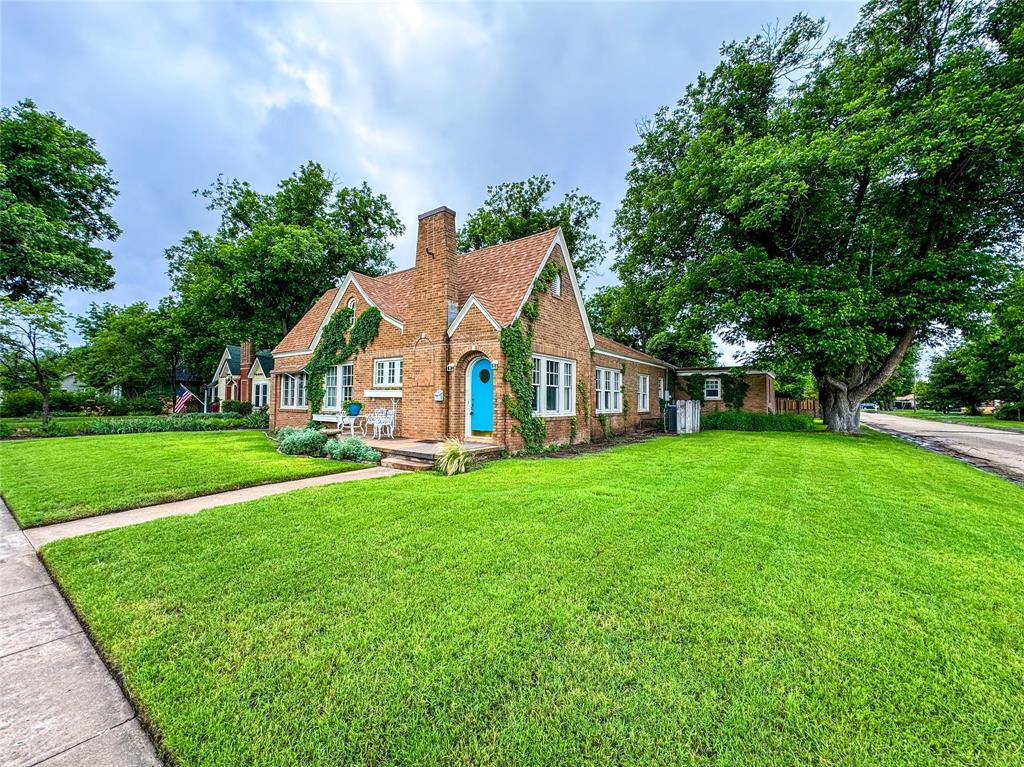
{"x": 373, "y": 420}
{"x": 383, "y": 422}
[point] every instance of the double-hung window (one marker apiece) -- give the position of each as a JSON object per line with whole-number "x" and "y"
{"x": 331, "y": 388}
{"x": 346, "y": 382}
{"x": 387, "y": 373}
{"x": 712, "y": 388}
{"x": 554, "y": 386}
{"x": 293, "y": 390}
{"x": 662, "y": 394}
{"x": 259, "y": 395}
{"x": 643, "y": 401}
{"x": 608, "y": 390}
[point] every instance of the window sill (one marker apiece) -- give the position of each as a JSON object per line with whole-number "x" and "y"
{"x": 294, "y": 407}
{"x": 396, "y": 393}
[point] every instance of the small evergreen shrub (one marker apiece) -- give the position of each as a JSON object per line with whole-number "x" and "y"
{"x": 21, "y": 402}
{"x": 738, "y": 420}
{"x": 453, "y": 458}
{"x": 144, "y": 404}
{"x": 351, "y": 449}
{"x": 236, "y": 406}
{"x": 305, "y": 441}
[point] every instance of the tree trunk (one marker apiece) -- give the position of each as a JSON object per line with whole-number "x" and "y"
{"x": 839, "y": 411}
{"x": 46, "y": 407}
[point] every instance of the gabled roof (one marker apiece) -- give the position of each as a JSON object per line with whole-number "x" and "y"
{"x": 501, "y": 276}
{"x": 265, "y": 359}
{"x": 234, "y": 358}
{"x": 608, "y": 346}
{"x": 301, "y": 335}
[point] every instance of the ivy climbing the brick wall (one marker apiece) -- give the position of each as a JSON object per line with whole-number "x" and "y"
{"x": 517, "y": 346}
{"x": 336, "y": 345}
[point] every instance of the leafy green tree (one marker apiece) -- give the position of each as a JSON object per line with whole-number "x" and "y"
{"x": 950, "y": 386}
{"x": 274, "y": 254}
{"x": 839, "y": 203}
{"x": 124, "y": 347}
{"x": 684, "y": 348}
{"x": 517, "y": 209}
{"x": 634, "y": 314}
{"x": 33, "y": 340}
{"x": 55, "y": 193}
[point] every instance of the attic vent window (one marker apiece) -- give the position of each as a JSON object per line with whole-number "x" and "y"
{"x": 352, "y": 306}
{"x": 556, "y": 286}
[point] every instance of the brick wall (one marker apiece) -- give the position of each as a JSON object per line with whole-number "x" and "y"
{"x": 618, "y": 423}
{"x": 760, "y": 397}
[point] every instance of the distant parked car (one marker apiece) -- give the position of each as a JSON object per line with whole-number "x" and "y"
{"x": 869, "y": 407}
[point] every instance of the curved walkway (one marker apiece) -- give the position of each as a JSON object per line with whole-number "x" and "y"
{"x": 1000, "y": 451}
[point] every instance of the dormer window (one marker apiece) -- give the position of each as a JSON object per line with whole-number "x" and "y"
{"x": 556, "y": 286}
{"x": 352, "y": 306}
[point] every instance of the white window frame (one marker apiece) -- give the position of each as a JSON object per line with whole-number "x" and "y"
{"x": 352, "y": 306}
{"x": 555, "y": 373}
{"x": 387, "y": 373}
{"x": 346, "y": 382}
{"x": 607, "y": 390}
{"x": 331, "y": 388}
{"x": 293, "y": 391}
{"x": 556, "y": 286}
{"x": 661, "y": 388}
{"x": 718, "y": 388}
{"x": 259, "y": 394}
{"x": 643, "y": 393}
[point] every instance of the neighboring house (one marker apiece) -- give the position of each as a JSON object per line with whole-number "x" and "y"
{"x": 437, "y": 357}
{"x": 760, "y": 396}
{"x": 242, "y": 374}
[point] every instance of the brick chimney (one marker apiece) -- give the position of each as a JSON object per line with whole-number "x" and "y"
{"x": 248, "y": 354}
{"x": 436, "y": 281}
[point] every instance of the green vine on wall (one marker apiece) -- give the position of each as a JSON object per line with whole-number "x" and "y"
{"x": 625, "y": 400}
{"x": 583, "y": 402}
{"x": 517, "y": 346}
{"x": 336, "y": 345}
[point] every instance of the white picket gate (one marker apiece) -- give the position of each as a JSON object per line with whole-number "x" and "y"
{"x": 687, "y": 416}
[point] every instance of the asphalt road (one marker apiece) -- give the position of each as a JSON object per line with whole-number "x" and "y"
{"x": 997, "y": 450}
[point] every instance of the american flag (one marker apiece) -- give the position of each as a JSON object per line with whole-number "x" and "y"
{"x": 182, "y": 398}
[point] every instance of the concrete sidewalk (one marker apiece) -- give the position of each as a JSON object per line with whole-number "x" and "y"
{"x": 40, "y": 536}
{"x": 59, "y": 705}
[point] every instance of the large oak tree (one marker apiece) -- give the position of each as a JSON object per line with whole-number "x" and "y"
{"x": 838, "y": 203}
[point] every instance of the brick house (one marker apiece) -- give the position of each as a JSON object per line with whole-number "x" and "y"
{"x": 242, "y": 373}
{"x": 437, "y": 356}
{"x": 760, "y": 396}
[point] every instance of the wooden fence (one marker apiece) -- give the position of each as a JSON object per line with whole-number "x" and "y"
{"x": 685, "y": 418}
{"x": 809, "y": 407}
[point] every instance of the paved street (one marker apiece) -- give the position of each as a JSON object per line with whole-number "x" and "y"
{"x": 997, "y": 450}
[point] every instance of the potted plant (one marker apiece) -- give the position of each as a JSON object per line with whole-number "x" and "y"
{"x": 352, "y": 407}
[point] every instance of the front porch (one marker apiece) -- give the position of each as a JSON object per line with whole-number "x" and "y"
{"x": 427, "y": 449}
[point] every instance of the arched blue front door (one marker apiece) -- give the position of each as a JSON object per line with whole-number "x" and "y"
{"x": 481, "y": 397}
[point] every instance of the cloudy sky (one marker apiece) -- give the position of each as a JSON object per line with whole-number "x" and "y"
{"x": 429, "y": 103}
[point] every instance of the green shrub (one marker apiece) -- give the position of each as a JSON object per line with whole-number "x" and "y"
{"x": 305, "y": 441}
{"x": 236, "y": 406}
{"x": 351, "y": 449}
{"x": 738, "y": 420}
{"x": 187, "y": 422}
{"x": 453, "y": 458}
{"x": 6, "y": 430}
{"x": 1010, "y": 411}
{"x": 21, "y": 402}
{"x": 258, "y": 419}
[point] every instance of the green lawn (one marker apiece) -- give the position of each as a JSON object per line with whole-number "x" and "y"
{"x": 52, "y": 480}
{"x": 976, "y": 420}
{"x": 722, "y": 599}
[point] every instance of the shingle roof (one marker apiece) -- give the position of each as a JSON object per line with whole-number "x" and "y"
{"x": 499, "y": 276}
{"x": 603, "y": 343}
{"x": 266, "y": 359}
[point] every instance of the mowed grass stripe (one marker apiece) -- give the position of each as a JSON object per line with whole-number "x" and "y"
{"x": 54, "y": 480}
{"x": 762, "y": 599}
